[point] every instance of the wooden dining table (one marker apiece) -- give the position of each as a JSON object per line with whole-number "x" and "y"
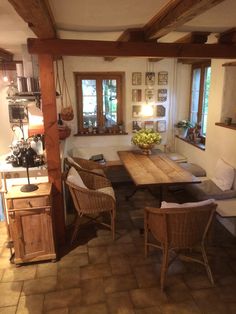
{"x": 154, "y": 170}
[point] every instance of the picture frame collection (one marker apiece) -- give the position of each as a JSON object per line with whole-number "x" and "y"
{"x": 155, "y": 94}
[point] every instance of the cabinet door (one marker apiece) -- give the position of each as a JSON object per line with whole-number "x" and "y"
{"x": 32, "y": 234}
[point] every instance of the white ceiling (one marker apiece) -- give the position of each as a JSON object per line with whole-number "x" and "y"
{"x": 107, "y": 19}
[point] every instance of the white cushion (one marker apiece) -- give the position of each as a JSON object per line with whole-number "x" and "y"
{"x": 108, "y": 190}
{"x": 192, "y": 204}
{"x": 224, "y": 175}
{"x": 72, "y": 162}
{"x": 74, "y": 178}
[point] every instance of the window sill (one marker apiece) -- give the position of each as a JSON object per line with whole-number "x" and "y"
{"x": 200, "y": 145}
{"x": 99, "y": 134}
{"x": 230, "y": 126}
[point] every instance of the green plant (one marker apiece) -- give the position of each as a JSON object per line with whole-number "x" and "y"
{"x": 147, "y": 137}
{"x": 184, "y": 124}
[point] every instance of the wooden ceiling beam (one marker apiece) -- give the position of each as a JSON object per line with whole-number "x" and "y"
{"x": 5, "y": 55}
{"x": 37, "y": 15}
{"x": 191, "y": 38}
{"x": 228, "y": 37}
{"x": 193, "y": 61}
{"x": 175, "y": 14}
{"x": 130, "y": 34}
{"x": 97, "y": 48}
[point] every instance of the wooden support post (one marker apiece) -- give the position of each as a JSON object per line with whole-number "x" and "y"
{"x": 49, "y": 109}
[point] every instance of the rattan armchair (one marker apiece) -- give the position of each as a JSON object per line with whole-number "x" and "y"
{"x": 177, "y": 229}
{"x": 95, "y": 200}
{"x": 85, "y": 164}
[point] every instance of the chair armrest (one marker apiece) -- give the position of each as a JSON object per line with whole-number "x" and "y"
{"x": 88, "y": 164}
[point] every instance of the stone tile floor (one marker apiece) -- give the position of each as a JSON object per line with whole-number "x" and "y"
{"x": 100, "y": 276}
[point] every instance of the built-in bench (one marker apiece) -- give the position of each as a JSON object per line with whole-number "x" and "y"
{"x": 226, "y": 200}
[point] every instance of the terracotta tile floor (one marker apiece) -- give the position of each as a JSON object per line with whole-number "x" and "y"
{"x": 101, "y": 276}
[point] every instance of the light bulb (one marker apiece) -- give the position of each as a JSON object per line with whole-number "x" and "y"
{"x": 5, "y": 79}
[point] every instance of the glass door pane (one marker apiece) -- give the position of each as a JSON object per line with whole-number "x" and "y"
{"x": 195, "y": 95}
{"x": 109, "y": 88}
{"x": 89, "y": 99}
{"x": 207, "y": 81}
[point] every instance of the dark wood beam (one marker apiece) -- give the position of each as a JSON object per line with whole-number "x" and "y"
{"x": 191, "y": 38}
{"x": 48, "y": 95}
{"x": 37, "y": 15}
{"x": 194, "y": 38}
{"x": 9, "y": 65}
{"x": 175, "y": 14}
{"x": 130, "y": 34}
{"x": 5, "y": 55}
{"x": 91, "y": 48}
{"x": 193, "y": 61}
{"x": 228, "y": 37}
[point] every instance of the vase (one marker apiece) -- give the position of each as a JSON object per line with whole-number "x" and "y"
{"x": 183, "y": 132}
{"x": 146, "y": 148}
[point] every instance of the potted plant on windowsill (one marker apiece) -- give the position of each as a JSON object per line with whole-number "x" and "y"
{"x": 183, "y": 126}
{"x": 146, "y": 139}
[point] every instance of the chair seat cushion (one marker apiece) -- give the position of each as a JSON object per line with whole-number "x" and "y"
{"x": 208, "y": 189}
{"x": 108, "y": 190}
{"x": 192, "y": 204}
{"x": 196, "y": 170}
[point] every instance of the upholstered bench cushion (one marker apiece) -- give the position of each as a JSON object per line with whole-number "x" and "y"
{"x": 208, "y": 189}
{"x": 177, "y": 157}
{"x": 108, "y": 190}
{"x": 196, "y": 170}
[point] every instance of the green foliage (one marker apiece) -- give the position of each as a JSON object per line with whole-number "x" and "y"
{"x": 146, "y": 136}
{"x": 184, "y": 124}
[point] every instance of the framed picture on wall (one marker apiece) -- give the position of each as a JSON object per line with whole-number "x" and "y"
{"x": 148, "y": 124}
{"x": 149, "y": 95}
{"x": 162, "y": 94}
{"x": 163, "y": 78}
{"x": 136, "y": 78}
{"x": 137, "y": 125}
{"x": 136, "y": 95}
{"x": 137, "y": 111}
{"x": 160, "y": 111}
{"x": 161, "y": 126}
{"x": 150, "y": 78}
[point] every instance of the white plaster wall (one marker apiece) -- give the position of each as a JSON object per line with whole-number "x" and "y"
{"x": 127, "y": 65}
{"x": 220, "y": 142}
{"x": 6, "y": 135}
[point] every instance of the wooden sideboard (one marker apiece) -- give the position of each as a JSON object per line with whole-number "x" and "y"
{"x": 31, "y": 223}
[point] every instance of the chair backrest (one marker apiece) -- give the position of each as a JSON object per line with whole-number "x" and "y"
{"x": 181, "y": 227}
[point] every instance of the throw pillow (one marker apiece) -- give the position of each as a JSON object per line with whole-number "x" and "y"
{"x": 192, "y": 204}
{"x": 74, "y": 178}
{"x": 224, "y": 175}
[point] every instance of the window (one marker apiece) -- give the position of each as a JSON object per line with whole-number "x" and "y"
{"x": 201, "y": 77}
{"x": 99, "y": 100}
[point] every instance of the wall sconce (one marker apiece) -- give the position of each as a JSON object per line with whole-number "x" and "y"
{"x": 147, "y": 110}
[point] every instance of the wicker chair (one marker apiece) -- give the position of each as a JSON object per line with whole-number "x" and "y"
{"x": 85, "y": 164}
{"x": 96, "y": 199}
{"x": 177, "y": 229}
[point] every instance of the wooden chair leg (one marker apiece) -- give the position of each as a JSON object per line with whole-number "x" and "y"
{"x": 113, "y": 225}
{"x": 164, "y": 267}
{"x": 206, "y": 263}
{"x": 75, "y": 232}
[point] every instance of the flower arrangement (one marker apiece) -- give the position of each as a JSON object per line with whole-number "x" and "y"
{"x": 184, "y": 124}
{"x": 146, "y": 138}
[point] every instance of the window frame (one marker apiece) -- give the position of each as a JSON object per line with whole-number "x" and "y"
{"x": 202, "y": 66}
{"x": 99, "y": 77}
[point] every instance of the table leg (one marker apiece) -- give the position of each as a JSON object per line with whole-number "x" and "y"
{"x": 127, "y": 197}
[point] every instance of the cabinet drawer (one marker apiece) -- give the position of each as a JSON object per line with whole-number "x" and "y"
{"x": 31, "y": 202}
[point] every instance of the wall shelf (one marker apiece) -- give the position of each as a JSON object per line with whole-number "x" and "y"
{"x": 231, "y": 126}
